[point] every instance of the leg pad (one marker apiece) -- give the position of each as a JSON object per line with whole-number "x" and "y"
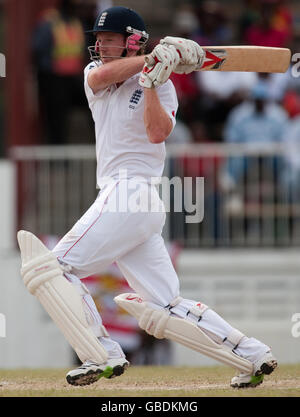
{"x": 158, "y": 322}
{"x": 43, "y": 277}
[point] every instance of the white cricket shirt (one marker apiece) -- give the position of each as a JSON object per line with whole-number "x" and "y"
{"x": 121, "y": 139}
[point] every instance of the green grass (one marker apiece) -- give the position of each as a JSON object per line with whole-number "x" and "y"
{"x": 150, "y": 381}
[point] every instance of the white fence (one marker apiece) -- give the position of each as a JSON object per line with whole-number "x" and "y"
{"x": 247, "y": 202}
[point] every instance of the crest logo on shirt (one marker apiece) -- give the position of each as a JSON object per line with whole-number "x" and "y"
{"x": 135, "y": 98}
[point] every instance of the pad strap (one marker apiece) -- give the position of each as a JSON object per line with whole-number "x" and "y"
{"x": 197, "y": 311}
{"x": 234, "y": 338}
{"x": 174, "y": 302}
{"x": 153, "y": 322}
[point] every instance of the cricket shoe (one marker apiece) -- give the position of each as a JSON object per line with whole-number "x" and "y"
{"x": 265, "y": 365}
{"x": 90, "y": 372}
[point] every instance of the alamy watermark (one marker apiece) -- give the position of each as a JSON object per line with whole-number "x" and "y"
{"x": 2, "y": 325}
{"x": 296, "y": 326}
{"x": 296, "y": 66}
{"x": 180, "y": 195}
{"x": 2, "y": 66}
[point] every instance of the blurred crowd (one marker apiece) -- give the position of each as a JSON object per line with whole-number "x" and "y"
{"x": 208, "y": 98}
{"x": 59, "y": 54}
{"x": 59, "y": 47}
{"x": 240, "y": 107}
{"x": 214, "y": 106}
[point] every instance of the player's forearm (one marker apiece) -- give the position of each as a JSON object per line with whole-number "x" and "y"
{"x": 157, "y": 122}
{"x": 114, "y": 72}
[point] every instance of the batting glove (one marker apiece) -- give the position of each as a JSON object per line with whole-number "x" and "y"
{"x": 159, "y": 65}
{"x": 191, "y": 54}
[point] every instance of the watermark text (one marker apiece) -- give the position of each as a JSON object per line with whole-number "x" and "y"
{"x": 296, "y": 326}
{"x": 296, "y": 66}
{"x": 179, "y": 195}
{"x": 2, "y": 66}
{"x": 2, "y": 325}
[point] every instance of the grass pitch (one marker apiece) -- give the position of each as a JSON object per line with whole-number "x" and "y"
{"x": 150, "y": 381}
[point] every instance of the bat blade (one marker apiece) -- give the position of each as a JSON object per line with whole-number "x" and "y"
{"x": 246, "y": 58}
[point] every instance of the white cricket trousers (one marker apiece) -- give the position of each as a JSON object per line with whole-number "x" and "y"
{"x": 104, "y": 235}
{"x": 113, "y": 230}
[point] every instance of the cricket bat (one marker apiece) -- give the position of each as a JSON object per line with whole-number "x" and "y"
{"x": 243, "y": 58}
{"x": 246, "y": 58}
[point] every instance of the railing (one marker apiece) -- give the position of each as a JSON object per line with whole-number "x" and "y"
{"x": 56, "y": 185}
{"x": 247, "y": 201}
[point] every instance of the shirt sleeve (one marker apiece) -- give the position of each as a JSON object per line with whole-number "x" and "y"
{"x": 168, "y": 99}
{"x": 91, "y": 97}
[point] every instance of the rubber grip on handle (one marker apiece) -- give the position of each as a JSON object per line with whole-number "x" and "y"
{"x": 149, "y": 60}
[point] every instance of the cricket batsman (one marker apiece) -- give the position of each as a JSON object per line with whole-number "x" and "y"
{"x": 133, "y": 104}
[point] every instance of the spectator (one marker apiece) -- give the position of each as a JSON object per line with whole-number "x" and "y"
{"x": 222, "y": 91}
{"x": 273, "y": 27}
{"x": 88, "y": 10}
{"x": 213, "y": 26}
{"x": 58, "y": 56}
{"x": 185, "y": 21}
{"x": 87, "y": 13}
{"x": 276, "y": 84}
{"x": 253, "y": 122}
{"x": 250, "y": 15}
{"x": 188, "y": 96}
{"x": 282, "y": 18}
{"x": 291, "y": 103}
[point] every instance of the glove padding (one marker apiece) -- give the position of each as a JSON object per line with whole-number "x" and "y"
{"x": 159, "y": 66}
{"x": 191, "y": 54}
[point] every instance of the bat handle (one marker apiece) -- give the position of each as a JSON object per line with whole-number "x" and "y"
{"x": 149, "y": 60}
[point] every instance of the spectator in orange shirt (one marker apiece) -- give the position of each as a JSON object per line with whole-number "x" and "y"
{"x": 58, "y": 57}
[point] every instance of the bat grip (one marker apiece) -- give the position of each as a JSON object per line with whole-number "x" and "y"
{"x": 149, "y": 60}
